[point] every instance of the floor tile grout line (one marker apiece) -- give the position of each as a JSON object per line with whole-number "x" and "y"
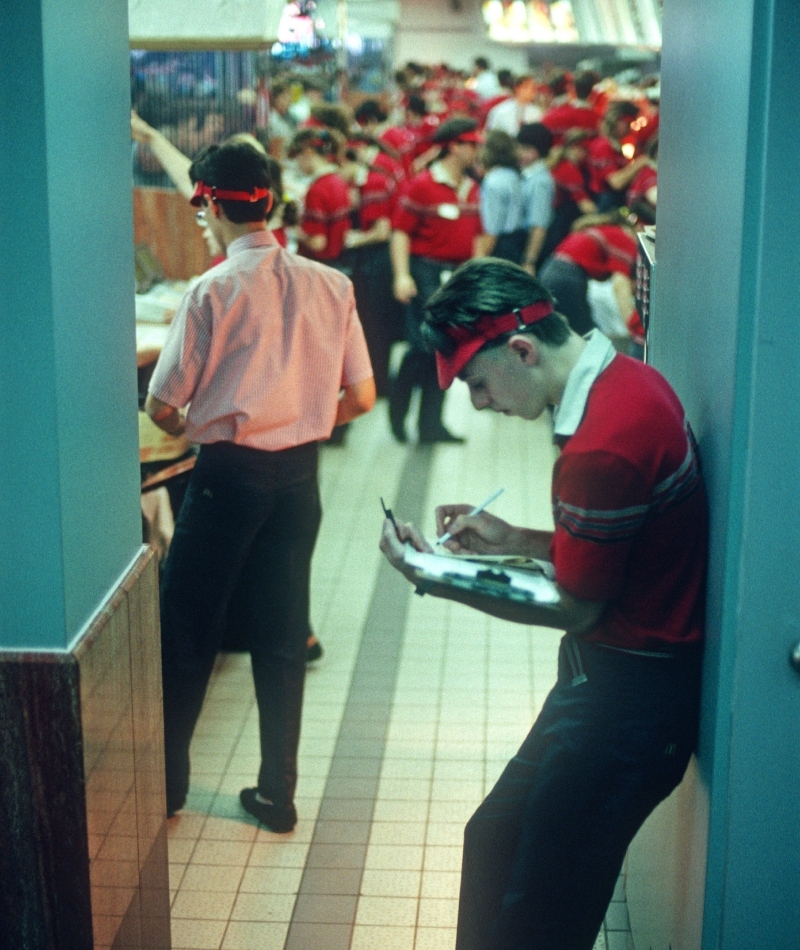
{"x": 388, "y": 601}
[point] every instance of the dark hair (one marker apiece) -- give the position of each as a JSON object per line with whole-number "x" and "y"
{"x": 584, "y": 82}
{"x": 416, "y": 104}
{"x": 237, "y": 166}
{"x": 279, "y": 87}
{"x": 499, "y": 151}
{"x": 325, "y": 142}
{"x": 619, "y": 110}
{"x": 481, "y": 62}
{"x": 506, "y": 78}
{"x": 487, "y": 285}
{"x": 332, "y": 117}
{"x": 559, "y": 83}
{"x": 538, "y": 136}
{"x": 370, "y": 111}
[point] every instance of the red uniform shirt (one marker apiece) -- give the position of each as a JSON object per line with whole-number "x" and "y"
{"x": 570, "y": 183}
{"x": 630, "y": 511}
{"x": 646, "y": 179}
{"x": 601, "y": 251}
{"x": 603, "y": 159}
{"x": 570, "y": 115}
{"x": 377, "y": 198}
{"x": 441, "y": 222}
{"x": 327, "y": 211}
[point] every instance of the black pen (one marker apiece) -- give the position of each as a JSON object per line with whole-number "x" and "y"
{"x": 390, "y": 516}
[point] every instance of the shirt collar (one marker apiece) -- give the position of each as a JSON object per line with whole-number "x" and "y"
{"x": 596, "y": 356}
{"x": 440, "y": 176}
{"x": 250, "y": 240}
{"x": 534, "y": 167}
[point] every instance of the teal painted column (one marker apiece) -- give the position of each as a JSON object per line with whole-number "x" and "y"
{"x": 727, "y": 318}
{"x": 68, "y": 433}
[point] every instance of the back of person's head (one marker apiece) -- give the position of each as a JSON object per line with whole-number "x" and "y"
{"x": 559, "y": 83}
{"x": 247, "y": 139}
{"x": 481, "y": 62}
{"x": 584, "y": 82}
{"x": 487, "y": 286}
{"x": 617, "y": 217}
{"x": 325, "y": 142}
{"x": 506, "y": 78}
{"x": 622, "y": 109}
{"x": 499, "y": 150}
{"x": 523, "y": 80}
{"x": 279, "y": 88}
{"x": 332, "y": 117}
{"x": 369, "y": 111}
{"x": 416, "y": 104}
{"x": 538, "y": 136}
{"x": 237, "y": 166}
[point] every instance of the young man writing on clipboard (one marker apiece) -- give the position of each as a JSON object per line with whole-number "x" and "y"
{"x": 544, "y": 850}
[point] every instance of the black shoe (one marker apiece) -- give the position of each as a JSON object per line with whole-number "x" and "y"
{"x": 273, "y": 817}
{"x": 441, "y": 435}
{"x": 173, "y": 809}
{"x": 314, "y": 652}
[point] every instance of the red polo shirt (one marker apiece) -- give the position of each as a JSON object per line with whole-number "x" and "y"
{"x": 569, "y": 115}
{"x": 630, "y": 512}
{"x": 601, "y": 251}
{"x": 378, "y": 197}
{"x": 441, "y": 222}
{"x": 570, "y": 183}
{"x": 646, "y": 179}
{"x": 327, "y": 211}
{"x": 603, "y": 159}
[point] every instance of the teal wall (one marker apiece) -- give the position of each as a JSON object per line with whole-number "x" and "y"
{"x": 725, "y": 333}
{"x": 68, "y": 435}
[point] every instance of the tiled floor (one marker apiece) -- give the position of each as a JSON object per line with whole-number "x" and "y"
{"x": 408, "y": 719}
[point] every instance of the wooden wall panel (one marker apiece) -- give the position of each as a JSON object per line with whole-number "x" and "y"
{"x": 164, "y": 220}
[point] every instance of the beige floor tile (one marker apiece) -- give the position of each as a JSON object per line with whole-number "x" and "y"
{"x": 181, "y": 849}
{"x": 435, "y": 938}
{"x": 278, "y": 854}
{"x": 211, "y": 877}
{"x": 185, "y": 826}
{"x": 441, "y": 884}
{"x": 387, "y": 911}
{"x": 249, "y": 935}
{"x": 197, "y": 934}
{"x": 394, "y": 810}
{"x": 459, "y": 812}
{"x": 233, "y": 853}
{"x": 203, "y": 905}
{"x": 228, "y": 829}
{"x": 176, "y": 874}
{"x": 442, "y": 858}
{"x": 394, "y": 858}
{"x": 404, "y": 789}
{"x": 444, "y": 833}
{"x": 263, "y": 907}
{"x": 437, "y": 912}
{"x": 397, "y": 832}
{"x": 271, "y": 880}
{"x": 376, "y": 883}
{"x": 382, "y": 938}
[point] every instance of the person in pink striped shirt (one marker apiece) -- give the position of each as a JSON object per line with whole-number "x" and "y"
{"x": 267, "y": 351}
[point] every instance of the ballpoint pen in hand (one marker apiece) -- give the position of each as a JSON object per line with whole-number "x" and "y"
{"x": 475, "y": 511}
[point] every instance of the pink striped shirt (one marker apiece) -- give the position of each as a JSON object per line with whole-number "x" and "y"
{"x": 260, "y": 348}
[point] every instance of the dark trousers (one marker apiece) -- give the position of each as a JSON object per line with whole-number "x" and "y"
{"x": 543, "y": 852}
{"x": 381, "y": 315}
{"x": 569, "y": 284}
{"x": 242, "y": 549}
{"x": 418, "y": 369}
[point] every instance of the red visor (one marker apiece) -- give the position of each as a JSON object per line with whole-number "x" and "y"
{"x": 470, "y": 339}
{"x": 202, "y": 190}
{"x": 473, "y": 137}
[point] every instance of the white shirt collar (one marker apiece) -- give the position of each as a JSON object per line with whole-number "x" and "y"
{"x": 596, "y": 356}
{"x": 252, "y": 239}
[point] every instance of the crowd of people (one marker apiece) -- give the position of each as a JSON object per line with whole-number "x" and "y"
{"x": 472, "y": 223}
{"x": 397, "y": 191}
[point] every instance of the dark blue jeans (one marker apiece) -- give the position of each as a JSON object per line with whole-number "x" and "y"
{"x": 241, "y": 553}
{"x": 543, "y": 852}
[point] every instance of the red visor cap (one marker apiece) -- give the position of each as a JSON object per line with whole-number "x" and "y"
{"x": 202, "y": 190}
{"x": 474, "y": 138}
{"x": 469, "y": 340}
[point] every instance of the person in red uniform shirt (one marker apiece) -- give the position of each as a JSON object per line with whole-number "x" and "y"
{"x": 374, "y": 196}
{"x": 628, "y": 552}
{"x": 610, "y": 172}
{"x": 643, "y": 192}
{"x": 565, "y": 113}
{"x": 325, "y": 220}
{"x": 436, "y": 228}
{"x": 603, "y": 245}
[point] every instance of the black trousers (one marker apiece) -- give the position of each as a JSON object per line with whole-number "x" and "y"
{"x": 242, "y": 549}
{"x": 543, "y": 852}
{"x": 418, "y": 369}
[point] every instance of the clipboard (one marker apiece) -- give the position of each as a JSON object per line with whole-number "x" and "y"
{"x": 520, "y": 579}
